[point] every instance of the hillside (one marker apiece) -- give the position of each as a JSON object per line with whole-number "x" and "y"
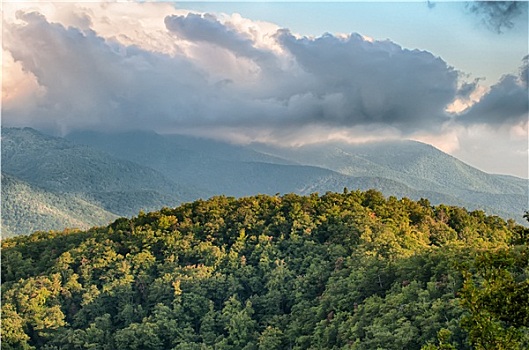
{"x": 338, "y": 271}
{"x": 222, "y": 168}
{"x": 62, "y": 167}
{"x": 26, "y": 208}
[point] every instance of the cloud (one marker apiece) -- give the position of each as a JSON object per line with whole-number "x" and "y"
{"x": 524, "y": 71}
{"x": 507, "y": 102}
{"x": 499, "y": 15}
{"x": 467, "y": 88}
{"x": 90, "y": 82}
{"x": 150, "y": 66}
{"x": 220, "y": 73}
{"x": 227, "y": 73}
{"x": 496, "y": 149}
{"x": 207, "y": 28}
{"x": 374, "y": 81}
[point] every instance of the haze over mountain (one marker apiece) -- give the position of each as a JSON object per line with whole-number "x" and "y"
{"x": 414, "y": 163}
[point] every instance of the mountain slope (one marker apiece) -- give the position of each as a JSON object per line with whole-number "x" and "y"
{"x": 214, "y": 167}
{"x": 418, "y": 166}
{"x": 414, "y": 163}
{"x": 57, "y": 165}
{"x": 125, "y": 173}
{"x": 222, "y": 168}
{"x": 405, "y": 168}
{"x": 27, "y": 208}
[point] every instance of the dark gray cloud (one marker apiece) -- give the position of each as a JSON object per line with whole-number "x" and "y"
{"x": 375, "y": 82}
{"x": 524, "y": 71}
{"x": 206, "y": 28}
{"x": 499, "y": 15}
{"x": 507, "y": 102}
{"x": 467, "y": 88}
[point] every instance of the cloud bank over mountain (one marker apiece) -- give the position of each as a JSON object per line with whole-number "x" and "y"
{"x": 137, "y": 66}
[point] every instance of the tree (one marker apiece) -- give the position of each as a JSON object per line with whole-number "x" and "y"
{"x": 239, "y": 326}
{"x": 12, "y": 330}
{"x": 497, "y": 298}
{"x": 352, "y": 270}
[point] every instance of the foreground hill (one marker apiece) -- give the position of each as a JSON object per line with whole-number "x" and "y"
{"x": 338, "y": 271}
{"x": 27, "y": 208}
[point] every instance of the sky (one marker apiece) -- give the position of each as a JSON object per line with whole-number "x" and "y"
{"x": 450, "y": 74}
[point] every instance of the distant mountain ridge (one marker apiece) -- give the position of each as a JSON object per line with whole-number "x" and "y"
{"x": 122, "y": 173}
{"x": 401, "y": 168}
{"x": 414, "y": 163}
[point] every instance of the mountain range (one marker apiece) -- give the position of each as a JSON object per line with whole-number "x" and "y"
{"x": 119, "y": 174}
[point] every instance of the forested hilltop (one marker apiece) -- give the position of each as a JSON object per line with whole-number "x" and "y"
{"x": 353, "y": 270}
